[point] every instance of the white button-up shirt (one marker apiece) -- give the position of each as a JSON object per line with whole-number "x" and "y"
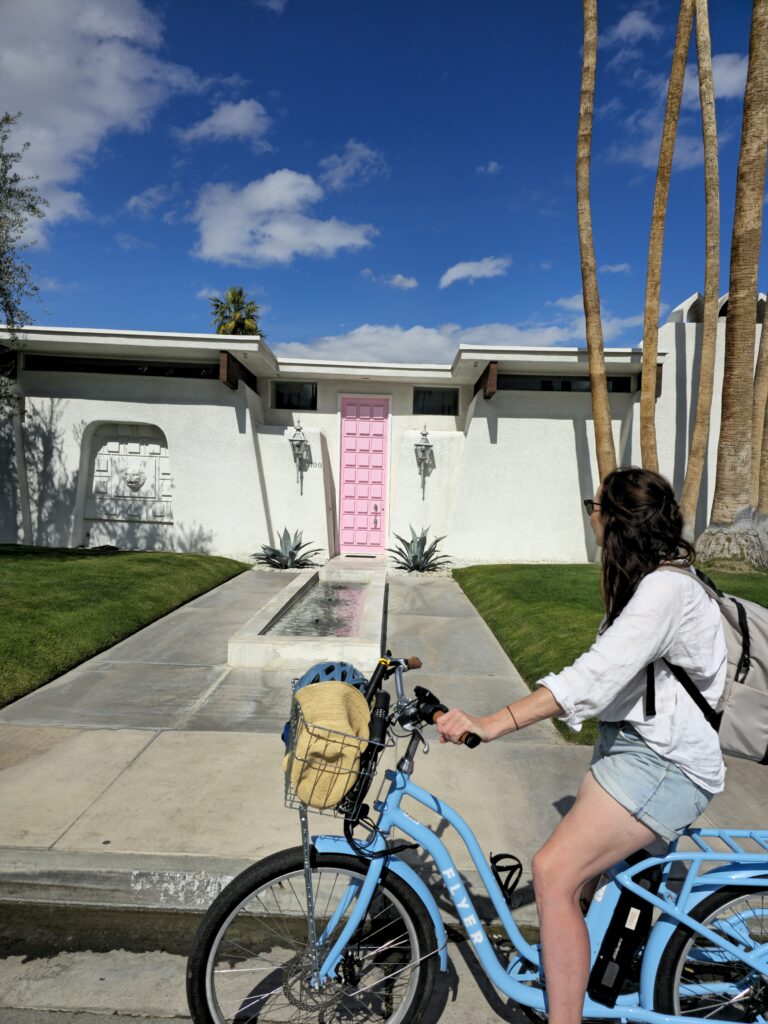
{"x": 669, "y": 616}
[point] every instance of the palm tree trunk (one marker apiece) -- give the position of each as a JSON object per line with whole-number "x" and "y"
{"x": 762, "y": 498}
{"x": 699, "y": 441}
{"x": 656, "y": 242}
{"x": 601, "y": 409}
{"x": 731, "y": 533}
{"x": 759, "y": 399}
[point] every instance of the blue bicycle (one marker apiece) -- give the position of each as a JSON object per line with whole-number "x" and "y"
{"x": 342, "y": 929}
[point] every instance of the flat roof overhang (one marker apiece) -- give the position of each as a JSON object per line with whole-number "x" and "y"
{"x": 188, "y": 348}
{"x": 468, "y": 364}
{"x": 471, "y": 360}
{"x": 385, "y": 373}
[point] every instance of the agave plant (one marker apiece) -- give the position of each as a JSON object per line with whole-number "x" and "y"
{"x": 290, "y": 554}
{"x": 415, "y": 555}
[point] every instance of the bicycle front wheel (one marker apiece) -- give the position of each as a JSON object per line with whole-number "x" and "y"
{"x": 698, "y": 979}
{"x": 251, "y": 960}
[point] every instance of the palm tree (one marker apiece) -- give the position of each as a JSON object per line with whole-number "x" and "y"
{"x": 656, "y": 242}
{"x": 235, "y": 314}
{"x": 698, "y": 449}
{"x": 601, "y": 410}
{"x": 731, "y": 533}
{"x": 759, "y": 399}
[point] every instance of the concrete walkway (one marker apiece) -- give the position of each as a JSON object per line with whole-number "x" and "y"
{"x": 149, "y": 775}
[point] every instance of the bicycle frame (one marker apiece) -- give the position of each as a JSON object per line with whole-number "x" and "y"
{"x": 517, "y": 980}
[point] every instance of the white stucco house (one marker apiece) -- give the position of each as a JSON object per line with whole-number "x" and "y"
{"x": 183, "y": 442}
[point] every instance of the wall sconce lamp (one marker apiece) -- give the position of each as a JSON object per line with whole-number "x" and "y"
{"x": 300, "y": 449}
{"x": 423, "y": 448}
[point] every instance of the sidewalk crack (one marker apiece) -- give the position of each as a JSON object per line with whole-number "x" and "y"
{"x": 111, "y": 783}
{"x": 202, "y": 699}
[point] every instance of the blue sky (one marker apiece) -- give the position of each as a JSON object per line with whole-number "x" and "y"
{"x": 387, "y": 178}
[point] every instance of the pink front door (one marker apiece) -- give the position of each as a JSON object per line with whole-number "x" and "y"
{"x": 364, "y": 444}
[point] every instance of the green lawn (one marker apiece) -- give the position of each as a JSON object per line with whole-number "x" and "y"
{"x": 545, "y": 616}
{"x": 60, "y": 606}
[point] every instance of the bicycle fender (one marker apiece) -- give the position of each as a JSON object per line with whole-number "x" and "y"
{"x": 338, "y": 844}
{"x": 665, "y": 926}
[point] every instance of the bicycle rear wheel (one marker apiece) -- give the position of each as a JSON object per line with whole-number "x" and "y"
{"x": 251, "y": 960}
{"x": 698, "y": 979}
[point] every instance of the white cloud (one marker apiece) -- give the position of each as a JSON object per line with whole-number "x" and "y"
{"x": 632, "y": 28}
{"x": 80, "y": 70}
{"x": 208, "y": 293}
{"x": 394, "y": 281}
{"x": 145, "y": 203}
{"x": 129, "y": 243}
{"x": 615, "y": 268}
{"x": 644, "y": 137}
{"x": 278, "y": 6}
{"x": 402, "y": 282}
{"x": 246, "y": 121}
{"x": 492, "y": 167}
{"x": 615, "y": 326}
{"x": 53, "y": 284}
{"x": 573, "y": 303}
{"x": 545, "y": 265}
{"x": 491, "y": 266}
{"x": 611, "y": 109}
{"x": 380, "y": 343}
{"x": 729, "y": 77}
{"x": 264, "y": 222}
{"x": 356, "y": 162}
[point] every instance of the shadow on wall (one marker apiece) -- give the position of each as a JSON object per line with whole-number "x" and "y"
{"x": 685, "y": 403}
{"x": 332, "y": 516}
{"x": 10, "y": 514}
{"x": 142, "y": 536}
{"x": 193, "y": 540}
{"x": 586, "y": 480}
{"x": 51, "y": 488}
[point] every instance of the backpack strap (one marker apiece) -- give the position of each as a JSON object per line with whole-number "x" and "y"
{"x": 744, "y": 661}
{"x": 713, "y": 717}
{"x": 650, "y": 691}
{"x": 716, "y": 594}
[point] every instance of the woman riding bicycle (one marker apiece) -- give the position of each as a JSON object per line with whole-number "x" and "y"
{"x": 651, "y": 774}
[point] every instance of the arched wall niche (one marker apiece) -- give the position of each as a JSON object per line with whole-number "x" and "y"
{"x": 127, "y": 498}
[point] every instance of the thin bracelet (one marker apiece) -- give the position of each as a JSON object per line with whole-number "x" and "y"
{"x": 509, "y": 709}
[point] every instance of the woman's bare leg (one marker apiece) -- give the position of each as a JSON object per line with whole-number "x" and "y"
{"x": 595, "y": 834}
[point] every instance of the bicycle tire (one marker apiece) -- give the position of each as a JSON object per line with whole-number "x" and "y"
{"x": 261, "y": 913}
{"x": 689, "y": 959}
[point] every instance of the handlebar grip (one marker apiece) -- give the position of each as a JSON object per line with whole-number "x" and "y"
{"x": 413, "y": 662}
{"x": 469, "y": 739}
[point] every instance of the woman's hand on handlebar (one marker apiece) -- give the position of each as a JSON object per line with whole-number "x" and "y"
{"x": 455, "y": 724}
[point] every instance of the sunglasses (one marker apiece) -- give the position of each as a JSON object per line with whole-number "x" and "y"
{"x": 590, "y": 505}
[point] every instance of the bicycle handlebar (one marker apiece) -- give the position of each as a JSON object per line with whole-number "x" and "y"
{"x": 469, "y": 739}
{"x": 427, "y": 701}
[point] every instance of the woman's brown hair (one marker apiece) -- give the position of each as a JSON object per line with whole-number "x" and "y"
{"x": 642, "y": 527}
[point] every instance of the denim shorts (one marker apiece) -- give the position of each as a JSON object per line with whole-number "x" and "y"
{"x": 654, "y": 790}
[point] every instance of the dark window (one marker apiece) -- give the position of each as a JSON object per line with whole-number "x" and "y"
{"x": 436, "y": 401}
{"x": 531, "y": 382}
{"x": 295, "y": 395}
{"x": 129, "y": 367}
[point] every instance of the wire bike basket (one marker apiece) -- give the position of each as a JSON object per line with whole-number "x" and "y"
{"x": 327, "y": 770}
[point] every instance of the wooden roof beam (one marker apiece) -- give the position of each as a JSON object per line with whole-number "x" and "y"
{"x": 232, "y": 371}
{"x": 488, "y": 380}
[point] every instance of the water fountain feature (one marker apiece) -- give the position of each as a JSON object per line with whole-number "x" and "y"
{"x": 320, "y": 615}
